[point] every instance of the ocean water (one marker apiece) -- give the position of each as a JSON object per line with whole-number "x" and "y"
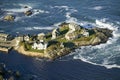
{"x": 101, "y": 62}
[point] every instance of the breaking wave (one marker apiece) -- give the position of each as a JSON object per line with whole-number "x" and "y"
{"x": 38, "y": 28}
{"x": 104, "y": 54}
{"x": 23, "y": 8}
{"x": 69, "y": 12}
{"x": 97, "y": 8}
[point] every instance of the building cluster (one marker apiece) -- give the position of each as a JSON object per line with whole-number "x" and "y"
{"x": 40, "y": 44}
{"x": 70, "y": 35}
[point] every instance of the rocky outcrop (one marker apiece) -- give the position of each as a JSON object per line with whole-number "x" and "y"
{"x": 56, "y": 53}
{"x": 8, "y": 74}
{"x": 28, "y": 13}
{"x": 55, "y": 33}
{"x": 105, "y": 31}
{"x": 71, "y": 35}
{"x": 9, "y": 18}
{"x": 64, "y": 39}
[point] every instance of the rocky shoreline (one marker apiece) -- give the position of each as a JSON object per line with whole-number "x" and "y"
{"x": 61, "y": 41}
{"x": 60, "y": 46}
{"x": 8, "y": 74}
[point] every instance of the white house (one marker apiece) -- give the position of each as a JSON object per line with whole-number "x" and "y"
{"x": 85, "y": 33}
{"x": 40, "y": 36}
{"x": 73, "y": 26}
{"x": 70, "y": 35}
{"x": 26, "y": 38}
{"x": 40, "y": 45}
{"x": 55, "y": 33}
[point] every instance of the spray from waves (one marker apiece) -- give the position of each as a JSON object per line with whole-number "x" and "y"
{"x": 19, "y": 10}
{"x": 104, "y": 64}
{"x": 96, "y": 8}
{"x": 69, "y": 17}
{"x": 38, "y": 28}
{"x": 103, "y": 54}
{"x": 116, "y": 34}
{"x": 23, "y": 8}
{"x": 69, "y": 12}
{"x": 61, "y": 7}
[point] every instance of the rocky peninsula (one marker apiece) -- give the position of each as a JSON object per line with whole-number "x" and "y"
{"x": 61, "y": 41}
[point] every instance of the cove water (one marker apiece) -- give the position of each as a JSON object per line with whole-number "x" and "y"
{"x": 101, "y": 62}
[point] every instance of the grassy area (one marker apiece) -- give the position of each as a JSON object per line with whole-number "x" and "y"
{"x": 35, "y": 50}
{"x": 48, "y": 36}
{"x": 63, "y": 30}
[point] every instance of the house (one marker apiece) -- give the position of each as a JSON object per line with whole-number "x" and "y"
{"x": 26, "y": 38}
{"x": 5, "y": 37}
{"x": 40, "y": 36}
{"x": 73, "y": 26}
{"x": 55, "y": 33}
{"x": 62, "y": 45}
{"x": 84, "y": 33}
{"x": 40, "y": 45}
{"x": 71, "y": 35}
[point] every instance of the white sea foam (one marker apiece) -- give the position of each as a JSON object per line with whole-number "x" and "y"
{"x": 39, "y": 28}
{"x": 103, "y": 54}
{"x": 104, "y": 64}
{"x": 62, "y": 7}
{"x": 38, "y": 11}
{"x": 69, "y": 11}
{"x": 17, "y": 10}
{"x": 103, "y": 24}
{"x": 69, "y": 17}
{"x": 97, "y": 8}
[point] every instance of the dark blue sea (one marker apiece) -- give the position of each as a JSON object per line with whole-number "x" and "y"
{"x": 101, "y": 62}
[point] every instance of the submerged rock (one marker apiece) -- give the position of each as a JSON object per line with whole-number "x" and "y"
{"x": 28, "y": 13}
{"x": 9, "y": 18}
{"x": 26, "y": 7}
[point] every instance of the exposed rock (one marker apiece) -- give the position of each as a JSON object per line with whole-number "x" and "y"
{"x": 105, "y": 31}
{"x": 73, "y": 26}
{"x": 11, "y": 78}
{"x": 41, "y": 36}
{"x": 2, "y": 68}
{"x": 71, "y": 35}
{"x": 55, "y": 33}
{"x": 95, "y": 41}
{"x": 8, "y": 74}
{"x": 28, "y": 13}
{"x": 102, "y": 37}
{"x": 9, "y": 18}
{"x": 85, "y": 33}
{"x": 25, "y": 6}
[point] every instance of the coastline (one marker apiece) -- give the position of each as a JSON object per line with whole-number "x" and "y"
{"x": 28, "y": 53}
{"x": 61, "y": 41}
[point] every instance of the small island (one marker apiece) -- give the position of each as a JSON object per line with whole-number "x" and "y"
{"x": 59, "y": 42}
